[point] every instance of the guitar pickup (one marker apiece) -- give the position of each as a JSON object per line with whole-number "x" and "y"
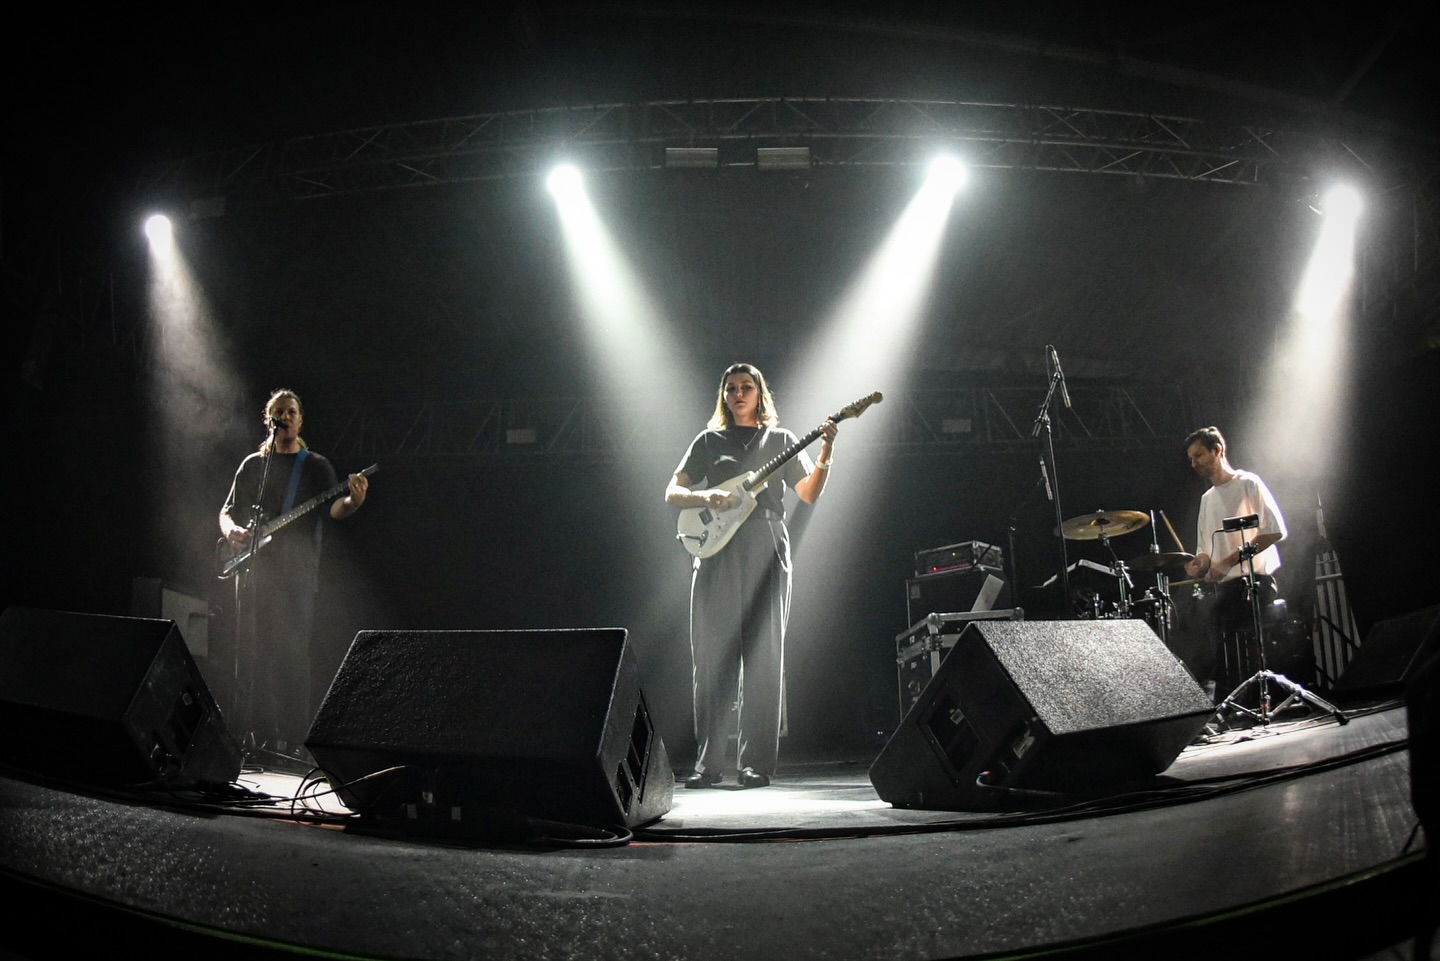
{"x": 705, "y": 516}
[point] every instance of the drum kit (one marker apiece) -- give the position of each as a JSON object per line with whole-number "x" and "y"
{"x": 1153, "y": 603}
{"x": 1156, "y": 606}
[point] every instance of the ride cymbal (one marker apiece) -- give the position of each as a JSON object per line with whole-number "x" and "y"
{"x": 1092, "y": 527}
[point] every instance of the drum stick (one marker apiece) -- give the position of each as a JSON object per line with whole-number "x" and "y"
{"x": 1179, "y": 546}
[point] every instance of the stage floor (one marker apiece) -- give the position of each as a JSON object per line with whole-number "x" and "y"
{"x": 1301, "y": 834}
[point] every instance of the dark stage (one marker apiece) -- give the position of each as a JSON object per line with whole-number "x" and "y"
{"x": 1299, "y": 838}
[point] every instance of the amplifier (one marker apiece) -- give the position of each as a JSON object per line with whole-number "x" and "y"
{"x": 958, "y": 557}
{"x": 976, "y": 588}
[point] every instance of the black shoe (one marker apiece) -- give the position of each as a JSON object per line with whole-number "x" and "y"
{"x": 703, "y": 779}
{"x": 749, "y": 777}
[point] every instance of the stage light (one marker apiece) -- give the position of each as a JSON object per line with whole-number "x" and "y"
{"x": 565, "y": 181}
{"x": 1343, "y": 203}
{"x": 158, "y": 230}
{"x": 948, "y": 173}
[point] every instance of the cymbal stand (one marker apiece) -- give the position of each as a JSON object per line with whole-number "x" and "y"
{"x": 1263, "y": 678}
{"x": 1121, "y": 570}
{"x": 1165, "y": 606}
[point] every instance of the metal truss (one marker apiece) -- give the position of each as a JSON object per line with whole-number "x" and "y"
{"x": 981, "y": 418}
{"x": 839, "y": 132}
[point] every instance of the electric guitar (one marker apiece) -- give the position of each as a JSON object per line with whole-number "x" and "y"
{"x": 705, "y": 531}
{"x": 269, "y": 528}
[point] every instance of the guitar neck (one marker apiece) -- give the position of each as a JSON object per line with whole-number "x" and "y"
{"x": 299, "y": 511}
{"x": 779, "y": 460}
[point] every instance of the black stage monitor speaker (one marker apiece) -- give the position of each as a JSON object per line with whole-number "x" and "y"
{"x": 1387, "y": 658}
{"x": 111, "y": 701}
{"x": 464, "y": 730}
{"x": 1060, "y": 706}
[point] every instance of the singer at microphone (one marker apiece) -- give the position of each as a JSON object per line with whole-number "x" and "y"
{"x": 275, "y": 592}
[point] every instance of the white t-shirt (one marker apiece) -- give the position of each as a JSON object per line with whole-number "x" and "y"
{"x": 1245, "y": 493}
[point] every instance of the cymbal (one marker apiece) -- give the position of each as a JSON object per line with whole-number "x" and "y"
{"x": 1092, "y": 527}
{"x": 1146, "y": 563}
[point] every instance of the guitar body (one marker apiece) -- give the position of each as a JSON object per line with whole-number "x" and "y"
{"x": 704, "y": 530}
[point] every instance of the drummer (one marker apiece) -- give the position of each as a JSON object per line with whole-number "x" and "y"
{"x": 1232, "y": 493}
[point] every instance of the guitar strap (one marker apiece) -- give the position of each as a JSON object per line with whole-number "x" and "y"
{"x": 295, "y": 480}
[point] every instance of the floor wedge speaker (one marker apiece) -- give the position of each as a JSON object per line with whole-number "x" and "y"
{"x": 112, "y": 701}
{"x": 1056, "y": 706}
{"x": 467, "y": 730}
{"x": 1389, "y": 654}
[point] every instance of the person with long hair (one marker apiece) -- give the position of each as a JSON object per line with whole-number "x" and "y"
{"x": 740, "y": 596}
{"x": 275, "y": 594}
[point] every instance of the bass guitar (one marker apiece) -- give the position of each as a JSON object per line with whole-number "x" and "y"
{"x": 234, "y": 562}
{"x": 705, "y": 531}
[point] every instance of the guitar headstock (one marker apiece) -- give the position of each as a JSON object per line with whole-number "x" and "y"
{"x": 858, "y": 407}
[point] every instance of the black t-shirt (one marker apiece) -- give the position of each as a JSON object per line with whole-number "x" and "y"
{"x": 296, "y": 547}
{"x": 716, "y": 456}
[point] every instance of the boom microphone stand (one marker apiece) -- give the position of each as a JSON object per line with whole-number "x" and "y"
{"x": 246, "y": 598}
{"x": 1264, "y": 677}
{"x": 1042, "y": 422}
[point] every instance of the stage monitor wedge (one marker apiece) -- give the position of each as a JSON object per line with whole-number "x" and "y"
{"x": 469, "y": 731}
{"x": 1057, "y": 706}
{"x": 109, "y": 701}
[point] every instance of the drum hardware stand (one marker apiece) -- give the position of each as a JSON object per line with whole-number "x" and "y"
{"x": 1263, "y": 678}
{"x": 1122, "y": 574}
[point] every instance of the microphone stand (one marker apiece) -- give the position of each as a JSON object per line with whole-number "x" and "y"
{"x": 1052, "y": 479}
{"x": 246, "y": 595}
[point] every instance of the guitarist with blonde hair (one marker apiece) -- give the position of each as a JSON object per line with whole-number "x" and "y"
{"x": 740, "y": 590}
{"x": 275, "y": 588}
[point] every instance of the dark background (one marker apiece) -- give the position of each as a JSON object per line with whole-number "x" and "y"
{"x": 461, "y": 292}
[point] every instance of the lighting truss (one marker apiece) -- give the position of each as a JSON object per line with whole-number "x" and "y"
{"x": 838, "y": 132}
{"x": 994, "y": 419}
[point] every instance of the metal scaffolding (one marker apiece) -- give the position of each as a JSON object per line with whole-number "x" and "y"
{"x": 838, "y": 132}
{"x": 978, "y": 418}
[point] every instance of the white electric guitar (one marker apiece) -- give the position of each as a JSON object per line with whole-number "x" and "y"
{"x": 705, "y": 531}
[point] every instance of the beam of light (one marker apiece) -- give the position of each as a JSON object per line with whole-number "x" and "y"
{"x": 645, "y": 384}
{"x": 1298, "y": 408}
{"x": 622, "y": 326}
{"x": 195, "y": 398}
{"x": 866, "y": 345}
{"x": 868, "y": 340}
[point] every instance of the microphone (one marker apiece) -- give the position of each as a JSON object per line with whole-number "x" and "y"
{"x": 275, "y": 424}
{"x": 1045, "y": 473}
{"x": 1064, "y": 391}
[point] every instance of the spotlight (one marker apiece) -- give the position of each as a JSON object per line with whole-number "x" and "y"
{"x": 564, "y": 180}
{"x": 1343, "y": 202}
{"x": 157, "y": 229}
{"x": 947, "y": 173}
